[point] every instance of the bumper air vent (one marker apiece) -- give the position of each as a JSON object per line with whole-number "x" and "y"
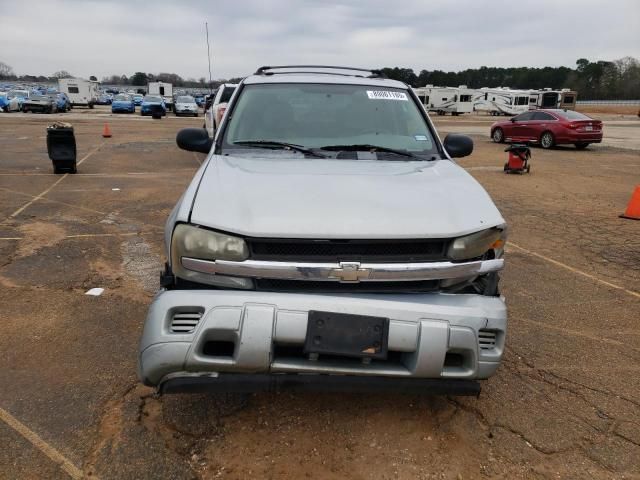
{"x": 185, "y": 322}
{"x": 486, "y": 339}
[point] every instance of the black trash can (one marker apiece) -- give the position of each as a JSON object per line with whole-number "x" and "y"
{"x": 157, "y": 111}
{"x": 61, "y": 146}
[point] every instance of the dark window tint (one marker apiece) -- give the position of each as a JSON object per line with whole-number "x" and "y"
{"x": 523, "y": 117}
{"x": 542, "y": 116}
{"x": 226, "y": 94}
{"x": 74, "y": 90}
{"x": 571, "y": 115}
{"x": 569, "y": 99}
{"x": 522, "y": 100}
{"x": 465, "y": 98}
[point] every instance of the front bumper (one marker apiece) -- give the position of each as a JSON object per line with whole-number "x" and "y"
{"x": 431, "y": 336}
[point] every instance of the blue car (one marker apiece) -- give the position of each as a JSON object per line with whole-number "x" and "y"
{"x": 62, "y": 101}
{"x": 151, "y": 101}
{"x": 138, "y": 99}
{"x": 123, "y": 103}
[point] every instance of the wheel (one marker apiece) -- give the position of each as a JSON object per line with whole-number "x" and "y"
{"x": 91, "y": 106}
{"x": 204, "y": 125}
{"x": 528, "y": 168}
{"x": 506, "y": 167}
{"x": 195, "y": 114}
{"x": 498, "y": 135}
{"x": 546, "y": 140}
{"x": 581, "y": 145}
{"x": 74, "y": 169}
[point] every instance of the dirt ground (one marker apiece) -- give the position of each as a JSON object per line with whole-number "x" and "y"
{"x": 564, "y": 404}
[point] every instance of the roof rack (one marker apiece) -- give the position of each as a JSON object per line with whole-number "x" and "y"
{"x": 268, "y": 70}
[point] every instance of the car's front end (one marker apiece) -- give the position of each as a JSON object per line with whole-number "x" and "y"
{"x": 337, "y": 266}
{"x": 186, "y": 106}
{"x": 152, "y": 104}
{"x": 138, "y": 99}
{"x": 123, "y": 104}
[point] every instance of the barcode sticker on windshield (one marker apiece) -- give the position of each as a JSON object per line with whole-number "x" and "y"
{"x": 386, "y": 95}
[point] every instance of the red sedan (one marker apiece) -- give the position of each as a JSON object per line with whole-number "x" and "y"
{"x": 548, "y": 128}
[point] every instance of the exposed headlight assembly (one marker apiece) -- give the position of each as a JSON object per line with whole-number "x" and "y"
{"x": 195, "y": 242}
{"x": 477, "y": 244}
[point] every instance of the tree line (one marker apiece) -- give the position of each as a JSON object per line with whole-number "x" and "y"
{"x": 599, "y": 80}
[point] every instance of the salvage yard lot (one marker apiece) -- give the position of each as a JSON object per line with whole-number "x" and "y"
{"x": 564, "y": 404}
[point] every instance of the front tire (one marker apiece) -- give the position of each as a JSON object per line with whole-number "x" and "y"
{"x": 498, "y": 135}
{"x": 581, "y": 145}
{"x": 547, "y": 140}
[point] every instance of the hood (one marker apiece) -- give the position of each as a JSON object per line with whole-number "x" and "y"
{"x": 348, "y": 199}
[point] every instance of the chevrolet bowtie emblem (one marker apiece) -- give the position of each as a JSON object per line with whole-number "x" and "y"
{"x": 349, "y": 272}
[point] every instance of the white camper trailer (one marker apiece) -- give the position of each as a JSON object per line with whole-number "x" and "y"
{"x": 163, "y": 89}
{"x": 564, "y": 99}
{"x": 501, "y": 101}
{"x": 81, "y": 92}
{"x": 453, "y": 100}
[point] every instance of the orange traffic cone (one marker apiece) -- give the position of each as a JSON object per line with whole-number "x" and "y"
{"x": 106, "y": 133}
{"x": 633, "y": 209}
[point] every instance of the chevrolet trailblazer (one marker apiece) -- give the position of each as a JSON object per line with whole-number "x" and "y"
{"x": 328, "y": 241}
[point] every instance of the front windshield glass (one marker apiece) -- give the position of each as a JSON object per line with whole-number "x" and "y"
{"x": 320, "y": 115}
{"x": 38, "y": 97}
{"x": 226, "y": 94}
{"x": 137, "y": 96}
{"x": 122, "y": 98}
{"x": 152, "y": 99}
{"x": 17, "y": 93}
{"x": 186, "y": 99}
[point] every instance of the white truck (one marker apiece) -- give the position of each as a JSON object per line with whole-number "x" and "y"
{"x": 81, "y": 92}
{"x": 163, "y": 89}
{"x": 501, "y": 101}
{"x": 453, "y": 100}
{"x": 214, "y": 111}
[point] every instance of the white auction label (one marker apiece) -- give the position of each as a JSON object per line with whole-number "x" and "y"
{"x": 386, "y": 95}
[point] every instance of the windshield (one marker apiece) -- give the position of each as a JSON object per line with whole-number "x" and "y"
{"x": 226, "y": 94}
{"x": 122, "y": 98}
{"x": 38, "y": 97}
{"x": 186, "y": 99}
{"x": 137, "y": 96}
{"x": 152, "y": 99}
{"x": 322, "y": 115}
{"x": 18, "y": 93}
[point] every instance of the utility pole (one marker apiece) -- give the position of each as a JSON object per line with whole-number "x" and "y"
{"x": 206, "y": 26}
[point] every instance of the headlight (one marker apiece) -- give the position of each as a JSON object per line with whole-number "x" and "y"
{"x": 477, "y": 244}
{"x": 194, "y": 242}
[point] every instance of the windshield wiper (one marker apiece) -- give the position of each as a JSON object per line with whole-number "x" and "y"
{"x": 370, "y": 148}
{"x": 274, "y": 143}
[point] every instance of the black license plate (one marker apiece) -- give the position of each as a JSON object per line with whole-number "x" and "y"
{"x": 347, "y": 335}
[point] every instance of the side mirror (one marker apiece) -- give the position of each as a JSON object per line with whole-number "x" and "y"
{"x": 194, "y": 140}
{"x": 458, "y": 145}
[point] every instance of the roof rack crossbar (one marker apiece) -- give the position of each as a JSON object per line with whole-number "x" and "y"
{"x": 266, "y": 70}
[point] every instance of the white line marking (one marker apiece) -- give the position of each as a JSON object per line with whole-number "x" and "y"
{"x": 93, "y": 235}
{"x": 53, "y": 454}
{"x": 38, "y": 197}
{"x": 575, "y": 270}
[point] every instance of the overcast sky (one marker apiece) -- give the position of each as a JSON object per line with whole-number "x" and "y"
{"x": 123, "y": 36}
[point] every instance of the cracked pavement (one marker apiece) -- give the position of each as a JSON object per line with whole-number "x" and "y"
{"x": 564, "y": 404}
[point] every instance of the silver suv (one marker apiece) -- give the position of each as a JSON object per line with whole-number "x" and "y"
{"x": 328, "y": 241}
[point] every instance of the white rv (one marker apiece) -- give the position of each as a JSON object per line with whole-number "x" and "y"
{"x": 81, "y": 92}
{"x": 564, "y": 99}
{"x": 453, "y": 100}
{"x": 501, "y": 101}
{"x": 163, "y": 89}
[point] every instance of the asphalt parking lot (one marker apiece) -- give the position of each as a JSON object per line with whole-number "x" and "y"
{"x": 564, "y": 404}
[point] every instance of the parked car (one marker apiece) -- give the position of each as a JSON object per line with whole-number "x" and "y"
{"x": 104, "y": 99}
{"x": 186, "y": 105}
{"x": 62, "y": 101}
{"x": 9, "y": 104}
{"x": 40, "y": 103}
{"x": 200, "y": 99}
{"x": 149, "y": 102}
{"x": 123, "y": 103}
{"x": 137, "y": 98}
{"x": 548, "y": 128}
{"x": 328, "y": 240}
{"x": 20, "y": 95}
{"x": 213, "y": 115}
